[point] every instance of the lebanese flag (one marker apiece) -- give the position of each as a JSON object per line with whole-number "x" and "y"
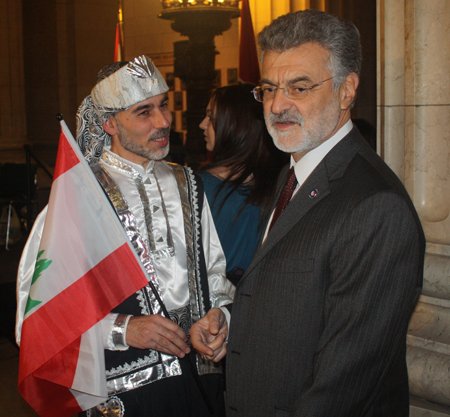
{"x": 248, "y": 57}
{"x": 85, "y": 267}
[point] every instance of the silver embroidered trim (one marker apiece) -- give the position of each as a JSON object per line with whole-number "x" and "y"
{"x": 168, "y": 367}
{"x": 169, "y": 251}
{"x": 112, "y": 407}
{"x": 196, "y": 216}
{"x": 151, "y": 358}
{"x": 128, "y": 221}
{"x": 186, "y": 181}
{"x": 119, "y": 331}
{"x": 189, "y": 206}
{"x": 140, "y": 295}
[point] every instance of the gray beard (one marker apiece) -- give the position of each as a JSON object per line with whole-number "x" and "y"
{"x": 312, "y": 138}
{"x": 140, "y": 150}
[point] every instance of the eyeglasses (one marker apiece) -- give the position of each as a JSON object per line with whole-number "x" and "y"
{"x": 294, "y": 91}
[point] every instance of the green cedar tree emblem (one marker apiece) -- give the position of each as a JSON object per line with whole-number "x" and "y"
{"x": 41, "y": 266}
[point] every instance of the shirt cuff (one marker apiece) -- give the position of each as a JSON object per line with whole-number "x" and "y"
{"x": 227, "y": 317}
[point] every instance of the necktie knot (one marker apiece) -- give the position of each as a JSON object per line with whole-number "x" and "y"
{"x": 285, "y": 196}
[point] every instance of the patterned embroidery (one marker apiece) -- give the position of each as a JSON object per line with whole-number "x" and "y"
{"x": 154, "y": 365}
{"x": 145, "y": 308}
{"x": 147, "y": 360}
{"x": 182, "y": 317}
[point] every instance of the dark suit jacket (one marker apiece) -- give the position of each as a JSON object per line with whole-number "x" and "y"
{"x": 319, "y": 320}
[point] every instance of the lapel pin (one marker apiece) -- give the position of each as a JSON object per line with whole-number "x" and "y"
{"x": 313, "y": 193}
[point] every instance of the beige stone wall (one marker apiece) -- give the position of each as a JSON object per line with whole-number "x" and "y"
{"x": 414, "y": 134}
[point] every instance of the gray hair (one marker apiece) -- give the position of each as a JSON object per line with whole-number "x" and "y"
{"x": 339, "y": 37}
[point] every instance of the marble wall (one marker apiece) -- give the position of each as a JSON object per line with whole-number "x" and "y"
{"x": 414, "y": 139}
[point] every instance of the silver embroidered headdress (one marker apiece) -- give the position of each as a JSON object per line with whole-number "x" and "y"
{"x": 118, "y": 87}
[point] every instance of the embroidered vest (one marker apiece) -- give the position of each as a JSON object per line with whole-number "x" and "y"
{"x": 130, "y": 369}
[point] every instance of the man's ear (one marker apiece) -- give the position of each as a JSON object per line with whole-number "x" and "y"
{"x": 110, "y": 126}
{"x": 348, "y": 90}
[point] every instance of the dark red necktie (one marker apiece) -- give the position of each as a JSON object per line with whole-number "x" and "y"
{"x": 285, "y": 196}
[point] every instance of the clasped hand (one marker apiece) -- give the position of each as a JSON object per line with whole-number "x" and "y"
{"x": 209, "y": 334}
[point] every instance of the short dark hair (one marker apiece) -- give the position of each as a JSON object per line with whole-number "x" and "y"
{"x": 338, "y": 36}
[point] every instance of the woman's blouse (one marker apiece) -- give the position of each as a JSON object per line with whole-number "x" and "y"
{"x": 237, "y": 236}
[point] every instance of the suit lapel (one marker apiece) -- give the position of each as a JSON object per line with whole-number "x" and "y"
{"x": 313, "y": 190}
{"x": 300, "y": 204}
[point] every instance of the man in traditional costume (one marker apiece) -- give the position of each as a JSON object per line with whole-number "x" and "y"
{"x": 123, "y": 131}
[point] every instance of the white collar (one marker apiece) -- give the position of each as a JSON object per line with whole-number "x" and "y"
{"x": 309, "y": 162}
{"x": 138, "y": 167}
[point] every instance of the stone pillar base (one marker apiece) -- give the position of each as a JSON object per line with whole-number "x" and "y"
{"x": 422, "y": 408}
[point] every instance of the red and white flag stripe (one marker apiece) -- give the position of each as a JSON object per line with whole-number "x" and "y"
{"x": 85, "y": 267}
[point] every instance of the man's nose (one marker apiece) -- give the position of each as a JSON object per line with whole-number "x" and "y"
{"x": 280, "y": 102}
{"x": 161, "y": 120}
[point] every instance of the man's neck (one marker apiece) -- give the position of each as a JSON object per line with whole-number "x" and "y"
{"x": 344, "y": 118}
{"x": 129, "y": 156}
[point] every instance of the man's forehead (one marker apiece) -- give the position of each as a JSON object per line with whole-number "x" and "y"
{"x": 149, "y": 103}
{"x": 307, "y": 60}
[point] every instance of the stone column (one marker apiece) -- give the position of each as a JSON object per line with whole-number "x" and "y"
{"x": 414, "y": 139}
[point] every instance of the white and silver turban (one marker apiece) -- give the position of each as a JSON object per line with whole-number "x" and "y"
{"x": 119, "y": 86}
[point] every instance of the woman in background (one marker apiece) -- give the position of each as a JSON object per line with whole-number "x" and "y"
{"x": 241, "y": 177}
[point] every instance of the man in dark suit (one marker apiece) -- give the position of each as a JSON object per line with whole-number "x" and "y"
{"x": 319, "y": 320}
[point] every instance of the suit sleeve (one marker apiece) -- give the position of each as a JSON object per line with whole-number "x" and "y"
{"x": 376, "y": 269}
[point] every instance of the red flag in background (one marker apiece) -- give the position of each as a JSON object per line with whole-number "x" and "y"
{"x": 248, "y": 58}
{"x": 118, "y": 45}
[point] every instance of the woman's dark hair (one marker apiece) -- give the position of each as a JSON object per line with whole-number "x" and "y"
{"x": 244, "y": 146}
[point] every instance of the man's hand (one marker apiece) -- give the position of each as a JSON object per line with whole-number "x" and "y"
{"x": 208, "y": 335}
{"x": 158, "y": 333}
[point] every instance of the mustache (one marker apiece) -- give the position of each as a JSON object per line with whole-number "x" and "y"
{"x": 160, "y": 133}
{"x": 285, "y": 116}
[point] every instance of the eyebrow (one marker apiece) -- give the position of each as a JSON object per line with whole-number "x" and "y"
{"x": 299, "y": 79}
{"x": 290, "y": 82}
{"x": 143, "y": 107}
{"x": 150, "y": 106}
